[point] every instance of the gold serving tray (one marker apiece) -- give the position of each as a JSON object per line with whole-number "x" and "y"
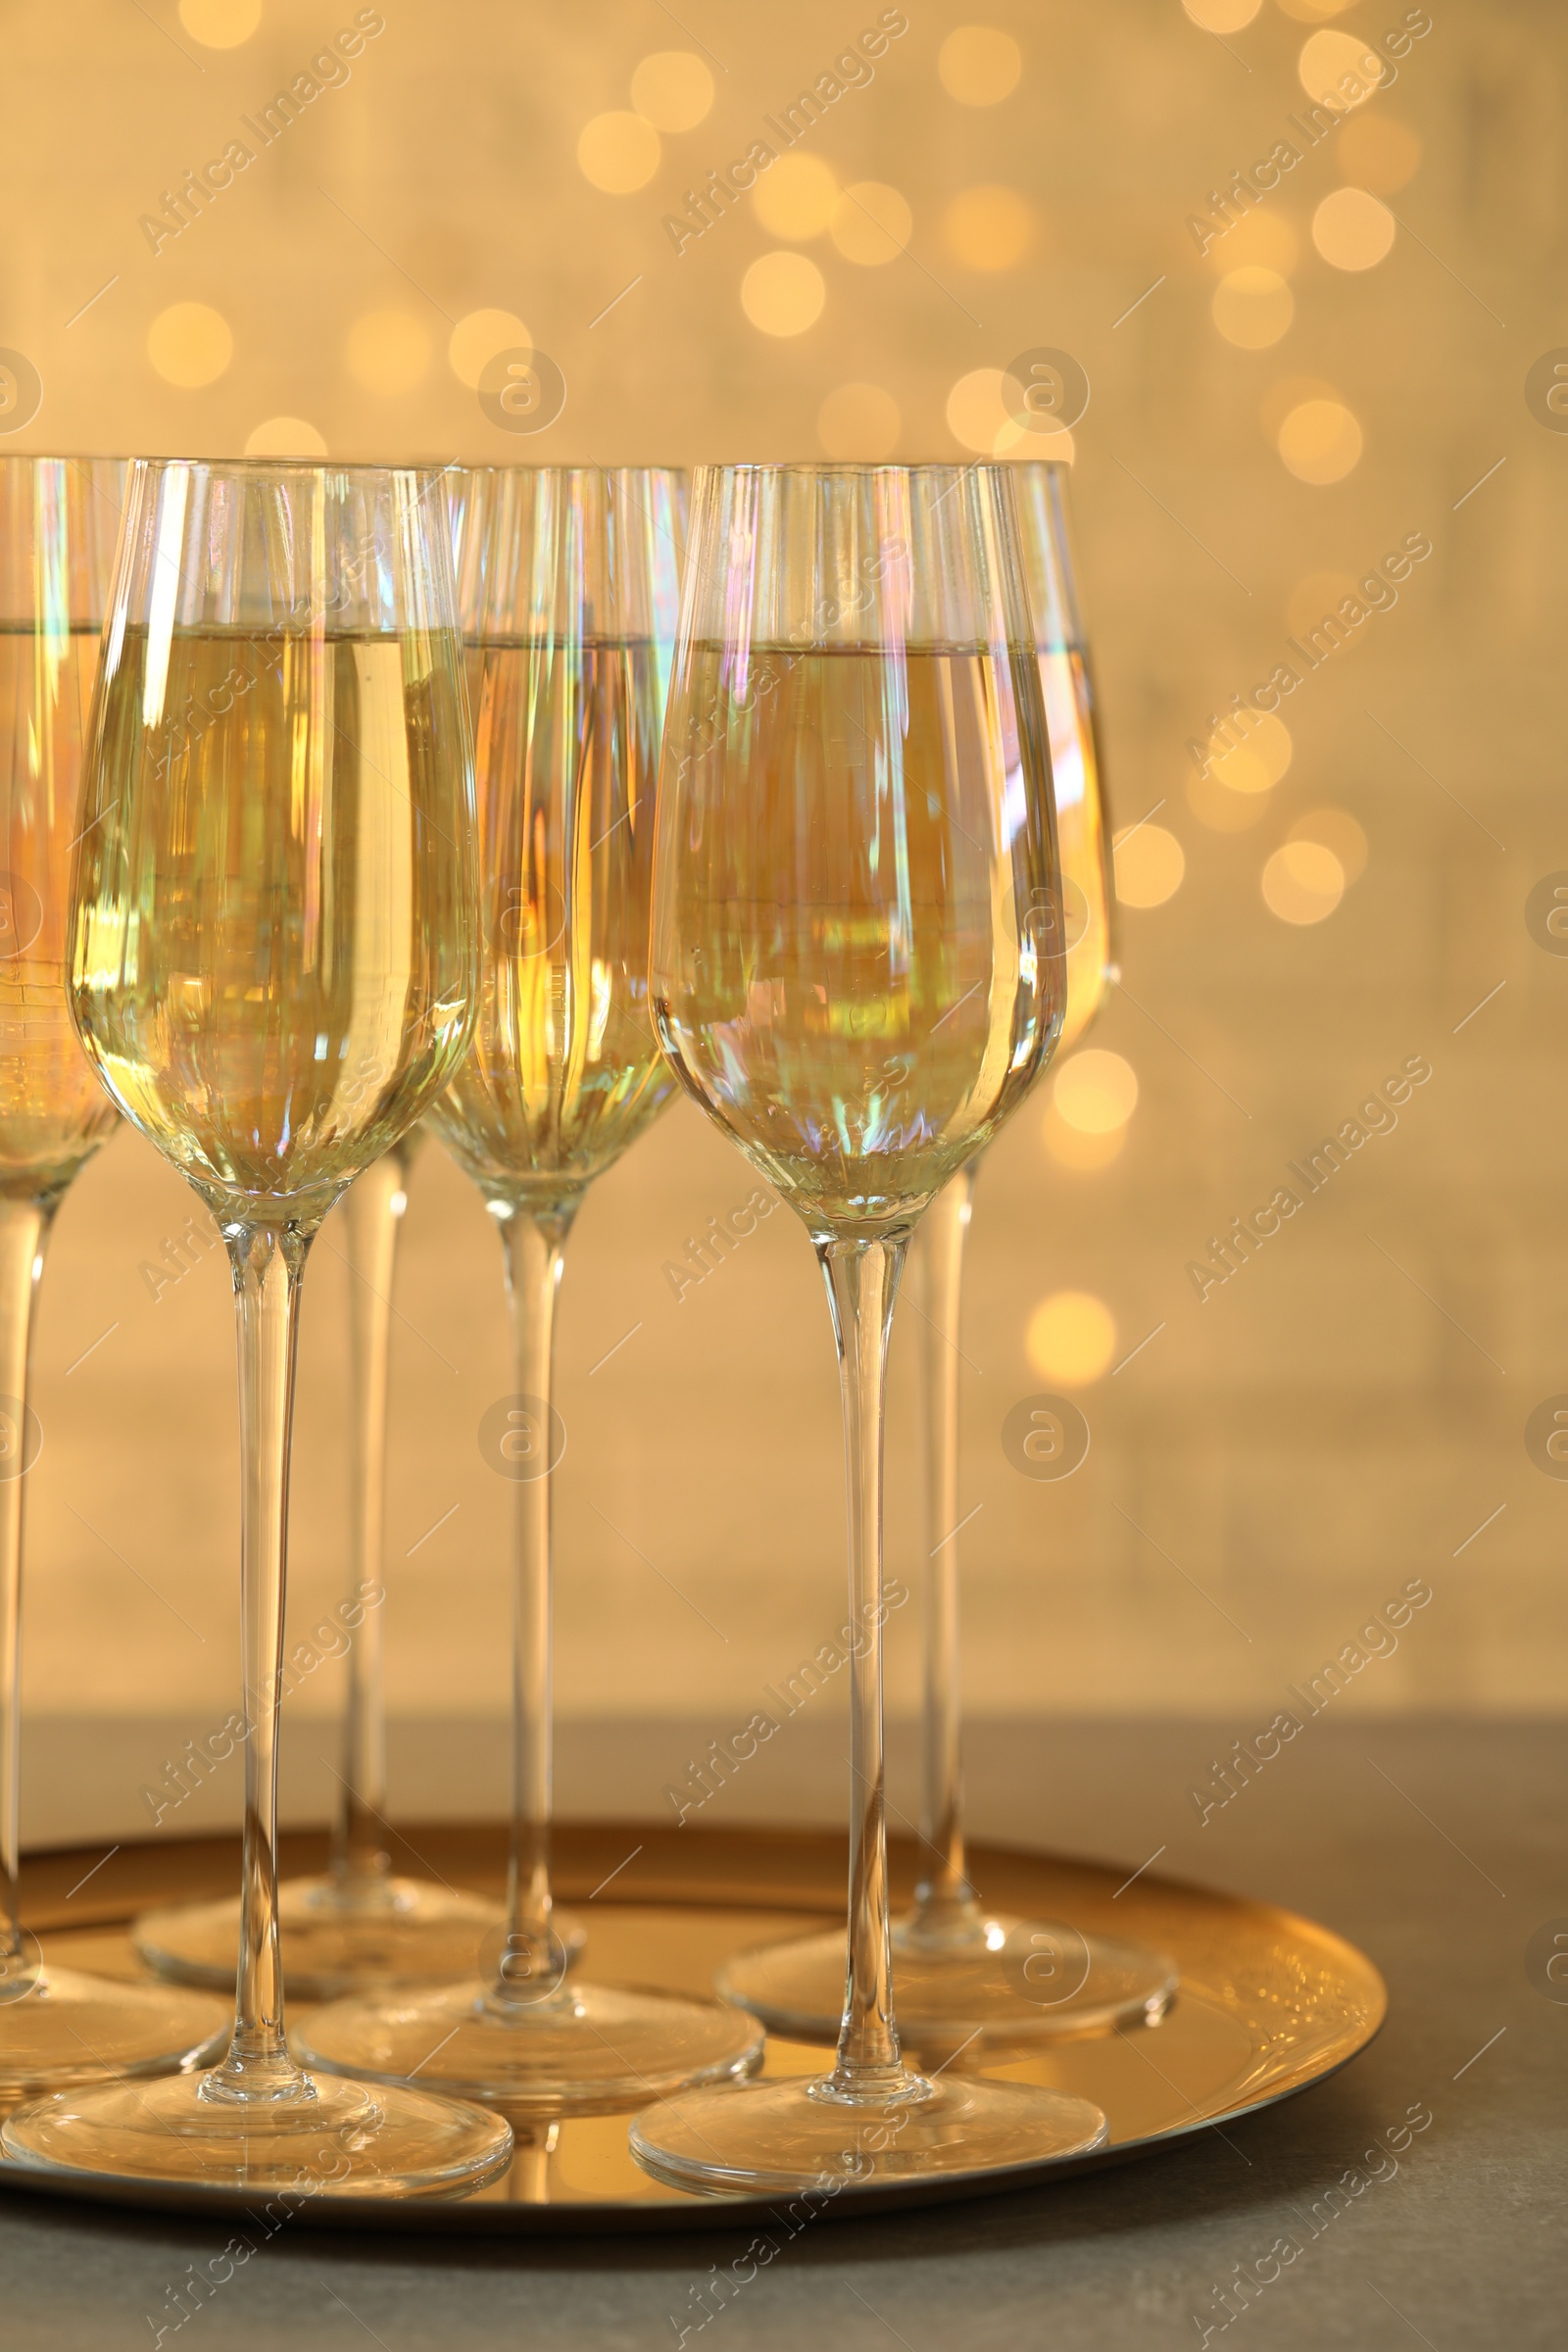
{"x": 1269, "y": 2003}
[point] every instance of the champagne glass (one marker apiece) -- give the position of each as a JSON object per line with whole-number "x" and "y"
{"x": 568, "y": 581}
{"x": 58, "y": 520}
{"x": 857, "y": 971}
{"x": 273, "y": 971}
{"x": 357, "y": 1923}
{"x": 969, "y": 1977}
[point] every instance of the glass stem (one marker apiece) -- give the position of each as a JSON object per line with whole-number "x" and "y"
{"x": 361, "y": 1867}
{"x": 862, "y": 1280}
{"x": 532, "y": 1964}
{"x": 24, "y": 1231}
{"x": 945, "y": 1904}
{"x": 268, "y": 1264}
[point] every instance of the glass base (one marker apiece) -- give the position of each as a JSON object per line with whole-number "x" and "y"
{"x": 795, "y": 2135}
{"x": 67, "y": 2027}
{"x": 589, "y": 2049}
{"x": 395, "y": 1932}
{"x": 337, "y": 2139}
{"x": 1005, "y": 1984}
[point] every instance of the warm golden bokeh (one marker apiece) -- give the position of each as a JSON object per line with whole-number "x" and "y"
{"x": 1220, "y": 808}
{"x": 1287, "y": 392}
{"x": 980, "y": 64}
{"x": 477, "y": 339}
{"x": 989, "y": 228}
{"x": 618, "y": 152}
{"x": 796, "y": 197}
{"x": 1336, "y": 65}
{"x": 1317, "y": 1430}
{"x": 1302, "y": 882}
{"x": 1320, "y": 441}
{"x": 1222, "y": 15}
{"x": 1253, "y": 755}
{"x": 1352, "y": 231}
{"x": 1096, "y": 1091}
{"x": 978, "y": 414}
{"x": 871, "y": 223}
{"x": 672, "y": 89}
{"x": 221, "y": 24}
{"x": 285, "y": 437}
{"x": 1264, "y": 239}
{"x": 783, "y": 293}
{"x": 1149, "y": 864}
{"x": 1252, "y": 308}
{"x": 1338, "y": 831}
{"x": 190, "y": 344}
{"x": 1072, "y": 1338}
{"x": 1073, "y": 1147}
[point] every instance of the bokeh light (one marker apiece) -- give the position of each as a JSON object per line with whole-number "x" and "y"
{"x": 977, "y": 412}
{"x": 1327, "y": 59}
{"x": 672, "y": 89}
{"x": 1334, "y": 829}
{"x": 1302, "y": 882}
{"x": 1259, "y": 759}
{"x": 475, "y": 340}
{"x": 1222, "y": 810}
{"x": 979, "y": 65}
{"x": 1288, "y": 393}
{"x": 1149, "y": 864}
{"x": 978, "y": 416}
{"x": 1314, "y": 12}
{"x": 1320, "y": 442}
{"x": 190, "y": 345}
{"x": 1096, "y": 1091}
{"x": 989, "y": 228}
{"x": 1378, "y": 153}
{"x": 1071, "y": 1148}
{"x": 859, "y": 422}
{"x": 1352, "y": 231}
{"x": 1071, "y": 1338}
{"x": 871, "y": 223}
{"x": 285, "y": 437}
{"x": 796, "y": 197}
{"x": 387, "y": 352}
{"x": 783, "y": 293}
{"x": 618, "y": 152}
{"x": 1266, "y": 237}
{"x": 219, "y": 24}
{"x": 1222, "y": 15}
{"x": 1252, "y": 308}
{"x": 1240, "y": 770}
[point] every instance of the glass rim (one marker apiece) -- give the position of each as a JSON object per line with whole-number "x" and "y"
{"x": 458, "y": 466}
{"x": 63, "y": 457}
{"x": 427, "y": 469}
{"x": 867, "y": 468}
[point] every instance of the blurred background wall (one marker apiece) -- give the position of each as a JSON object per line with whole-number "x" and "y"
{"x": 1287, "y": 386}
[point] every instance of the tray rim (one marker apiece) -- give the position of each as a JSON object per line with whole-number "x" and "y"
{"x": 471, "y": 2218}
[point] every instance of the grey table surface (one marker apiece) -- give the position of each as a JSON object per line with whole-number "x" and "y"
{"x": 1438, "y": 1847}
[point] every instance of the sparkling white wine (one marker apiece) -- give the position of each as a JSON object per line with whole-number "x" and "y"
{"x": 564, "y": 1070}
{"x": 1080, "y": 833}
{"x": 272, "y": 965}
{"x": 848, "y": 974}
{"x": 53, "y": 1112}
